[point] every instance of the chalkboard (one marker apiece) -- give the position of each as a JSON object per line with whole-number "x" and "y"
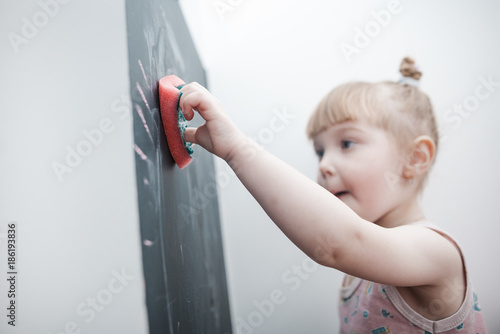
{"x": 182, "y": 252}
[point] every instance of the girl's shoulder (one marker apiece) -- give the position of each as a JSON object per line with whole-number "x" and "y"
{"x": 430, "y": 225}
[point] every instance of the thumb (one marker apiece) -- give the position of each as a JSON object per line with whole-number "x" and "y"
{"x": 199, "y": 136}
{"x": 190, "y": 135}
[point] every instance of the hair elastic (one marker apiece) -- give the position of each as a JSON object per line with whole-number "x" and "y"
{"x": 409, "y": 81}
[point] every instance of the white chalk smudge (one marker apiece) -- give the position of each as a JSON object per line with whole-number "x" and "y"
{"x": 139, "y": 152}
{"x": 142, "y": 94}
{"x": 141, "y": 115}
{"x": 143, "y": 73}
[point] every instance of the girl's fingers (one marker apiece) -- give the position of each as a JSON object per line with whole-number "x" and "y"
{"x": 198, "y": 98}
{"x": 188, "y": 102}
{"x": 188, "y": 114}
{"x": 191, "y": 87}
{"x": 190, "y": 135}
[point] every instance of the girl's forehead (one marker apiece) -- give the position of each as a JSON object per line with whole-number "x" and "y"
{"x": 359, "y": 126}
{"x": 353, "y": 130}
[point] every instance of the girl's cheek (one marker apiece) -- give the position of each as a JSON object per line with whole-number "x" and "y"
{"x": 319, "y": 179}
{"x": 322, "y": 183}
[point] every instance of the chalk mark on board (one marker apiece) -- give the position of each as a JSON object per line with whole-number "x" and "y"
{"x": 144, "y": 73}
{"x": 141, "y": 115}
{"x": 138, "y": 150}
{"x": 142, "y": 95}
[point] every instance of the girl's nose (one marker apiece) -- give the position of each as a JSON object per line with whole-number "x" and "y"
{"x": 326, "y": 168}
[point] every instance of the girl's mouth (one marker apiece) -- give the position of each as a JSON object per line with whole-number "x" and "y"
{"x": 340, "y": 194}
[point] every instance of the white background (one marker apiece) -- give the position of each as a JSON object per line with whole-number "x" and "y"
{"x": 274, "y": 54}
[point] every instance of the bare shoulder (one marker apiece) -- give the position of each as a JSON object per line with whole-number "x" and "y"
{"x": 439, "y": 252}
{"x": 432, "y": 241}
{"x": 445, "y": 292}
{"x": 404, "y": 256}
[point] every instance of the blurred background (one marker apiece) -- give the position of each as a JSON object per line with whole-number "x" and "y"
{"x": 267, "y": 59}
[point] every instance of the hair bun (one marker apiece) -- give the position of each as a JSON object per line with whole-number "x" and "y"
{"x": 409, "y": 69}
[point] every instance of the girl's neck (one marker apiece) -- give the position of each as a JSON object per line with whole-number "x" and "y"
{"x": 402, "y": 215}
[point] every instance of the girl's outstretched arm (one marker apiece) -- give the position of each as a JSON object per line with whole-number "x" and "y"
{"x": 297, "y": 205}
{"x": 321, "y": 225}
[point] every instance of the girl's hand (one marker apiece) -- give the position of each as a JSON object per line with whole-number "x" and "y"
{"x": 218, "y": 135}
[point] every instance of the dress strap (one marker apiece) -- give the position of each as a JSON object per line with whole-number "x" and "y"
{"x": 442, "y": 325}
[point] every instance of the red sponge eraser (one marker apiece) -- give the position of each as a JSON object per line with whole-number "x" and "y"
{"x": 173, "y": 120}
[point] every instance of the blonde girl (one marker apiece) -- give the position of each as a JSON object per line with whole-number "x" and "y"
{"x": 376, "y": 143}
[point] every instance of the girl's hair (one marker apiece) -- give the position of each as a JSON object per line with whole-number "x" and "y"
{"x": 400, "y": 108}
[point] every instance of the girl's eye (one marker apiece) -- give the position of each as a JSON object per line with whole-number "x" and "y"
{"x": 345, "y": 144}
{"x": 320, "y": 153}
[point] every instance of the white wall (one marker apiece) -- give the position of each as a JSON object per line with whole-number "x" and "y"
{"x": 285, "y": 55}
{"x": 78, "y": 260}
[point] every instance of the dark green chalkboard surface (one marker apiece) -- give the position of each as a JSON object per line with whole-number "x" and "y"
{"x": 180, "y": 227}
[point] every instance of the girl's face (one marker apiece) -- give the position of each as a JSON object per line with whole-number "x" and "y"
{"x": 362, "y": 166}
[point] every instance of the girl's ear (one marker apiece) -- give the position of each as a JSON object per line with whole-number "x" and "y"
{"x": 420, "y": 156}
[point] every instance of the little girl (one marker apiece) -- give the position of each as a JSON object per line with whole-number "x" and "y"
{"x": 376, "y": 143}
